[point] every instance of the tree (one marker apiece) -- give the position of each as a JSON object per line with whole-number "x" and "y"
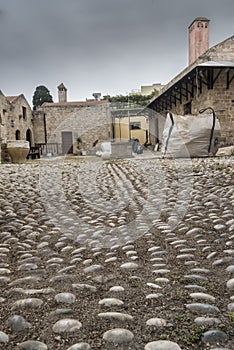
{"x": 138, "y": 99}
{"x": 41, "y": 95}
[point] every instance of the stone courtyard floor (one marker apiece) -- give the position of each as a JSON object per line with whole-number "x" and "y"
{"x": 128, "y": 254}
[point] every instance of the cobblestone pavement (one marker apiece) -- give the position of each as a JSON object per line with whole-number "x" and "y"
{"x": 131, "y": 254}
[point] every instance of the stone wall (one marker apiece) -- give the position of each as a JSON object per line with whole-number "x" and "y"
{"x": 4, "y": 111}
{"x": 19, "y": 118}
{"x": 156, "y": 126}
{"x": 15, "y": 121}
{"x": 4, "y": 156}
{"x": 223, "y": 51}
{"x": 38, "y": 126}
{"x": 90, "y": 123}
{"x": 221, "y": 100}
{"x": 220, "y": 97}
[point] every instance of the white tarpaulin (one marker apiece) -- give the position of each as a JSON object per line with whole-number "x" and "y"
{"x": 190, "y": 135}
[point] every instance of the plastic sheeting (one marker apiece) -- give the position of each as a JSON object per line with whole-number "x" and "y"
{"x": 106, "y": 147}
{"x": 190, "y": 136}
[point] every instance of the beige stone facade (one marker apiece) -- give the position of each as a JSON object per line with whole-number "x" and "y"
{"x": 4, "y": 113}
{"x": 209, "y": 81}
{"x": 64, "y": 122}
{"x": 15, "y": 120}
{"x": 147, "y": 89}
{"x": 54, "y": 127}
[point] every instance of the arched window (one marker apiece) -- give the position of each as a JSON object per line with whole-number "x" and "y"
{"x": 17, "y": 135}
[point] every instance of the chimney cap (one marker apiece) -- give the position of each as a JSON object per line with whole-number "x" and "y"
{"x": 200, "y": 19}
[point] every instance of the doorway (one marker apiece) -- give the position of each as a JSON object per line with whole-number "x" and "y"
{"x": 29, "y": 137}
{"x": 17, "y": 135}
{"x": 67, "y": 142}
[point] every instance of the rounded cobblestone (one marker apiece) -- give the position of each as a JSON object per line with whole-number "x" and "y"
{"x": 80, "y": 281}
{"x": 118, "y": 336}
{"x": 162, "y": 345}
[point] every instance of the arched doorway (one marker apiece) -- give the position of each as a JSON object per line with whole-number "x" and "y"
{"x": 17, "y": 135}
{"x": 29, "y": 137}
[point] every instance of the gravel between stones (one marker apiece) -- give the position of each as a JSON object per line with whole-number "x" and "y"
{"x": 103, "y": 255}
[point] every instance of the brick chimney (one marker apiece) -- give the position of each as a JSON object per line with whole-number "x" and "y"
{"x": 62, "y": 93}
{"x": 199, "y": 34}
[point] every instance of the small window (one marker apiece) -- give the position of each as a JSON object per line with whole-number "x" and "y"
{"x": 135, "y": 125}
{"x": 24, "y": 112}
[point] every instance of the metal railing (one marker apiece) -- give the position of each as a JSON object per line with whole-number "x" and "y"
{"x": 48, "y": 148}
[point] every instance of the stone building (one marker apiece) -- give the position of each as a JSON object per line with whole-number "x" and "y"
{"x": 147, "y": 89}
{"x": 54, "y": 127}
{"x": 15, "y": 120}
{"x": 128, "y": 122}
{"x": 63, "y": 127}
{"x": 58, "y": 125}
{"x": 207, "y": 81}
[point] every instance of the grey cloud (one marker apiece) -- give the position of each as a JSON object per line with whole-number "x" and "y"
{"x": 116, "y": 45}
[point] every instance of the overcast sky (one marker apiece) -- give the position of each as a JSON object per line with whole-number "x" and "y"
{"x": 107, "y": 46}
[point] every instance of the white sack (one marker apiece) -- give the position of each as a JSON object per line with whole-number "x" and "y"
{"x": 190, "y": 136}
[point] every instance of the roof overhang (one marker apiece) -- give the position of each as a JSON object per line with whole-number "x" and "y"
{"x": 192, "y": 79}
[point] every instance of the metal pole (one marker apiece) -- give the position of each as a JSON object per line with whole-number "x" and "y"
{"x": 45, "y": 129}
{"x": 129, "y": 130}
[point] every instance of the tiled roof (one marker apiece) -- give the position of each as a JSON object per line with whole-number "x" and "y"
{"x": 75, "y": 103}
{"x": 11, "y": 98}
